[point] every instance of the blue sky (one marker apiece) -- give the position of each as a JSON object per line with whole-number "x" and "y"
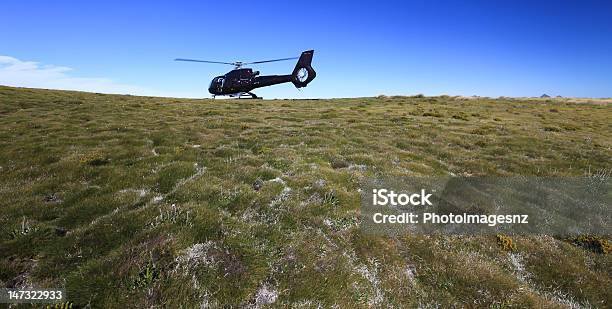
{"x": 362, "y": 48}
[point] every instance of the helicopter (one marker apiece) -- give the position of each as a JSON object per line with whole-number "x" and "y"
{"x": 240, "y": 81}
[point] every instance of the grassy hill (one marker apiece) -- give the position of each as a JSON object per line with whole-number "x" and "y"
{"x": 165, "y": 202}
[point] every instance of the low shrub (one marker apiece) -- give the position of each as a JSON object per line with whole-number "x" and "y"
{"x": 593, "y": 243}
{"x": 505, "y": 242}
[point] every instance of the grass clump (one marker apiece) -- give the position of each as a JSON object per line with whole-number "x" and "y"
{"x": 432, "y": 114}
{"x": 337, "y": 163}
{"x": 552, "y": 129}
{"x": 94, "y": 158}
{"x": 460, "y": 117}
{"x": 146, "y": 276}
{"x": 23, "y": 229}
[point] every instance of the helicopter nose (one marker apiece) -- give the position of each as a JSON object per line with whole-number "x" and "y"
{"x": 213, "y": 90}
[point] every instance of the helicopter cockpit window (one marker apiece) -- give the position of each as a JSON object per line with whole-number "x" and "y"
{"x": 217, "y": 83}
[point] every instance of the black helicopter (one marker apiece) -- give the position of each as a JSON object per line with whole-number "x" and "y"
{"x": 241, "y": 81}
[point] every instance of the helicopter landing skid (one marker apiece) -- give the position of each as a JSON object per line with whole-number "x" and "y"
{"x": 245, "y": 95}
{"x": 241, "y": 95}
{"x": 252, "y": 95}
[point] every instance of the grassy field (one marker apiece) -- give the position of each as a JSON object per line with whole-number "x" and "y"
{"x": 163, "y": 202}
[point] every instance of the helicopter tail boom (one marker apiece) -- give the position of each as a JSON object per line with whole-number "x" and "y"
{"x": 303, "y": 73}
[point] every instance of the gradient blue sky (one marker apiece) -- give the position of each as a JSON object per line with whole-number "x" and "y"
{"x": 362, "y": 48}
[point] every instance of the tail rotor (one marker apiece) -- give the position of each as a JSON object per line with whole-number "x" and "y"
{"x": 303, "y": 73}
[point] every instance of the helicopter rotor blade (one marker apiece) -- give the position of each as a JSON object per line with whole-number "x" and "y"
{"x": 204, "y": 61}
{"x": 283, "y": 59}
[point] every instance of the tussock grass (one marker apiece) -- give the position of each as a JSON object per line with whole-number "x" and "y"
{"x": 142, "y": 201}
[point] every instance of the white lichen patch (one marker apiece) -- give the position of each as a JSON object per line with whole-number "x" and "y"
{"x": 319, "y": 183}
{"x": 265, "y": 295}
{"x": 519, "y": 268}
{"x": 371, "y": 275}
{"x": 140, "y": 192}
{"x": 283, "y": 196}
{"x": 358, "y": 167}
{"x": 278, "y": 180}
{"x": 341, "y": 224}
{"x": 410, "y": 272}
{"x": 373, "y": 294}
{"x": 197, "y": 255}
{"x": 206, "y": 302}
